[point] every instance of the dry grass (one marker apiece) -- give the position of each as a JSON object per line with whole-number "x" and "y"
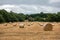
{"x": 31, "y": 31}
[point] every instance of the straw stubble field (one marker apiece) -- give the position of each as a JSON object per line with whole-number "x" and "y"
{"x": 29, "y": 31}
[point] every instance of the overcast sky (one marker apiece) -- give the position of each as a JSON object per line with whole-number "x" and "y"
{"x": 30, "y": 6}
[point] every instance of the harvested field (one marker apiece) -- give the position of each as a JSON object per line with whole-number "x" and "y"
{"x": 29, "y": 31}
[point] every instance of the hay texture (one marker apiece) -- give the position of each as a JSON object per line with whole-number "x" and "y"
{"x": 21, "y": 25}
{"x": 48, "y": 27}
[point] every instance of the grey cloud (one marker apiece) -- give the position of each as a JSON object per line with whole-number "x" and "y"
{"x": 23, "y": 1}
{"x": 30, "y": 2}
{"x": 28, "y": 8}
{"x": 55, "y": 5}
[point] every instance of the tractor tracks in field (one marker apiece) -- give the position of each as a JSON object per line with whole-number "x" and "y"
{"x": 18, "y": 34}
{"x": 7, "y": 28}
{"x": 28, "y": 34}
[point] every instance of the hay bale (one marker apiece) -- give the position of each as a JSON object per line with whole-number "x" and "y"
{"x": 40, "y": 24}
{"x": 53, "y": 24}
{"x": 48, "y": 27}
{"x": 14, "y": 24}
{"x": 28, "y": 24}
{"x": 31, "y": 23}
{"x": 5, "y": 24}
{"x": 21, "y": 25}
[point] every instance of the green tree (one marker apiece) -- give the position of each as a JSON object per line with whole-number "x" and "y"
{"x": 2, "y": 20}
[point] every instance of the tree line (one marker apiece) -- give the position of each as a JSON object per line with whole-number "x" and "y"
{"x": 20, "y": 17}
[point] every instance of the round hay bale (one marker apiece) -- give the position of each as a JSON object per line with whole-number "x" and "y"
{"x": 41, "y": 24}
{"x": 48, "y": 27}
{"x": 28, "y": 24}
{"x": 21, "y": 26}
{"x": 5, "y": 24}
{"x": 31, "y": 23}
{"x": 14, "y": 24}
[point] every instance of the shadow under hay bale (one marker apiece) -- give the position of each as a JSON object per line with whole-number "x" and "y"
{"x": 48, "y": 27}
{"x": 28, "y": 25}
{"x": 21, "y": 26}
